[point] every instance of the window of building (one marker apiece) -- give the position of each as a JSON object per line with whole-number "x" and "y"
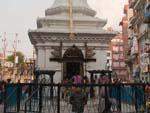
{"x": 116, "y": 56}
{"x": 108, "y": 54}
{"x": 121, "y": 56}
{"x": 107, "y": 60}
{"x": 115, "y": 48}
{"x": 115, "y": 64}
{"x": 121, "y": 48}
{"x": 122, "y": 64}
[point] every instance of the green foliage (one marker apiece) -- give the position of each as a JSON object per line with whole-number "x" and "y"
{"x": 20, "y": 57}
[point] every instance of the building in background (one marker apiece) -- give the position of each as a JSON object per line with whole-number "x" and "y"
{"x": 139, "y": 40}
{"x": 124, "y": 24}
{"x": 118, "y": 58}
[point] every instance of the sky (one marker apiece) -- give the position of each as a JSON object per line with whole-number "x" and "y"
{"x": 18, "y": 16}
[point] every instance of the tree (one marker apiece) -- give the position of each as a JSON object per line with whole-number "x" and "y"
{"x": 20, "y": 57}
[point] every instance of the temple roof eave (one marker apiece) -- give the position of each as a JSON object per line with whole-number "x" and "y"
{"x": 65, "y": 31}
{"x": 42, "y": 37}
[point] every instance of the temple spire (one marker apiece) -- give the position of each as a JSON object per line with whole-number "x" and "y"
{"x": 70, "y": 6}
{"x": 76, "y": 3}
{"x": 78, "y": 6}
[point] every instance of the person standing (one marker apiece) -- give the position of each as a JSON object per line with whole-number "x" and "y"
{"x": 77, "y": 79}
{"x": 85, "y": 81}
{"x": 78, "y": 100}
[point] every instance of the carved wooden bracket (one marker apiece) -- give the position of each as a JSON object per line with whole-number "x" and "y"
{"x": 57, "y": 51}
{"x": 90, "y": 52}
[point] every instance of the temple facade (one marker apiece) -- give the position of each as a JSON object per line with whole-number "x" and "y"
{"x": 70, "y": 39}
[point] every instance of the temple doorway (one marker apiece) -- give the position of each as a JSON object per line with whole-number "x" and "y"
{"x": 72, "y": 68}
{"x": 73, "y": 62}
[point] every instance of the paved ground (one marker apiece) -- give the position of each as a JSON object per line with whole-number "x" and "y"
{"x": 1, "y": 108}
{"x": 50, "y": 107}
{"x": 91, "y": 107}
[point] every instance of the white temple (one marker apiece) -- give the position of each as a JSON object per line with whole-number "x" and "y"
{"x": 56, "y": 50}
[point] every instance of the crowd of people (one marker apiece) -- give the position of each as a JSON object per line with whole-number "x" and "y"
{"x": 78, "y": 96}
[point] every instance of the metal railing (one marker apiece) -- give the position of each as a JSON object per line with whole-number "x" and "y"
{"x": 100, "y": 98}
{"x": 32, "y": 102}
{"x": 11, "y": 96}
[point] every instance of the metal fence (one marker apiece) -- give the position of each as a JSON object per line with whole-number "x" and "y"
{"x": 60, "y": 98}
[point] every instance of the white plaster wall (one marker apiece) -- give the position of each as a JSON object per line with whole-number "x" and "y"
{"x": 45, "y": 64}
{"x": 71, "y": 44}
{"x": 51, "y": 65}
{"x": 101, "y": 58}
{"x": 47, "y": 56}
{"x": 41, "y": 56}
{"x": 54, "y": 66}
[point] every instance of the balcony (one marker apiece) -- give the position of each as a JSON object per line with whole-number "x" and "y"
{"x": 147, "y": 47}
{"x": 132, "y": 3}
{"x": 128, "y": 61}
{"x": 138, "y": 3}
{"x": 147, "y": 17}
{"x": 133, "y": 19}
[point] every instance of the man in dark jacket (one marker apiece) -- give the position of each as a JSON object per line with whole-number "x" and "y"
{"x": 78, "y": 100}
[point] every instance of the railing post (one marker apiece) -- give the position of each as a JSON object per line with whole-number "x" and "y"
{"x": 5, "y": 96}
{"x": 136, "y": 107}
{"x": 119, "y": 96}
{"x": 58, "y": 99}
{"x": 18, "y": 97}
{"x": 106, "y": 99}
{"x": 144, "y": 97}
{"x": 91, "y": 87}
{"x": 51, "y": 88}
{"x": 40, "y": 99}
{"x": 25, "y": 110}
{"x": 30, "y": 88}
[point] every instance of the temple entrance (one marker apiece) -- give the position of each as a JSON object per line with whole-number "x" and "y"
{"x": 72, "y": 62}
